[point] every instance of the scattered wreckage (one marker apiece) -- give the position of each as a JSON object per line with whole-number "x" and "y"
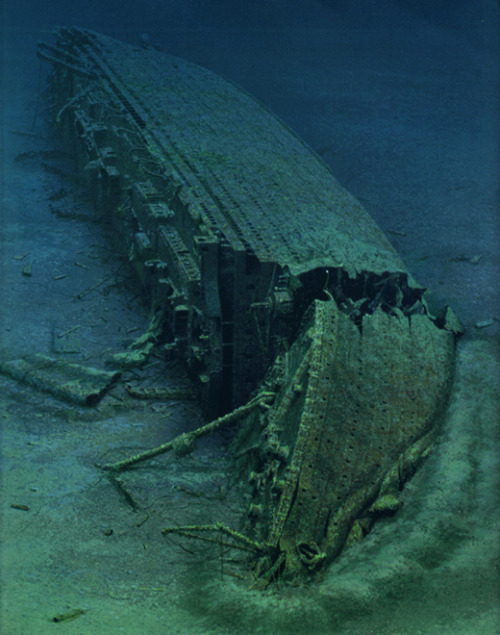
{"x": 287, "y": 302}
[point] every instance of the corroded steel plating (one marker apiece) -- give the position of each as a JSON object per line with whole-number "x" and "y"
{"x": 265, "y": 270}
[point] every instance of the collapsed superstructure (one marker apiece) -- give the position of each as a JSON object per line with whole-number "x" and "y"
{"x": 265, "y": 270}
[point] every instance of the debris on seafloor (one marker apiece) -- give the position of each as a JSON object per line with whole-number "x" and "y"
{"x": 95, "y": 286}
{"x": 75, "y": 383}
{"x": 21, "y": 256}
{"x": 483, "y": 324}
{"x": 122, "y": 488}
{"x": 68, "y": 341}
{"x": 472, "y": 260}
{"x": 184, "y": 443}
{"x": 139, "y": 350}
{"x": 23, "y": 508}
{"x": 159, "y": 394}
{"x": 266, "y": 277}
{"x": 68, "y": 615}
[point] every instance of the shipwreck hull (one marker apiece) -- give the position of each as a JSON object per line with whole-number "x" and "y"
{"x": 247, "y": 244}
{"x": 355, "y": 412}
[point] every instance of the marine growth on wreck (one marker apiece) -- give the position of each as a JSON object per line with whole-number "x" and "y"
{"x": 267, "y": 278}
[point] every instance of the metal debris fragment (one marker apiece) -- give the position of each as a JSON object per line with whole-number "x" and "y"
{"x": 483, "y": 324}
{"x": 68, "y": 615}
{"x": 71, "y": 382}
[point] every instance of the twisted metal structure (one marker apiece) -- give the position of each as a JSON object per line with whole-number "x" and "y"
{"x": 267, "y": 273}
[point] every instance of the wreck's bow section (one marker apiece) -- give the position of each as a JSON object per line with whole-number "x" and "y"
{"x": 355, "y": 412}
{"x": 252, "y": 250}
